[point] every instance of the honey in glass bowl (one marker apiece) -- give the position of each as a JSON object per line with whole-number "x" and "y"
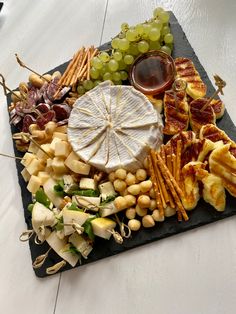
{"x": 153, "y": 72}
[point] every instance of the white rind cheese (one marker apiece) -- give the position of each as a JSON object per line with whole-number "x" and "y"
{"x": 114, "y": 127}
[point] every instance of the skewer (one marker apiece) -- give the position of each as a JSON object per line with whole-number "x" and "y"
{"x": 220, "y": 84}
{"x": 36, "y": 144}
{"x": 6, "y": 88}
{"x": 9, "y": 156}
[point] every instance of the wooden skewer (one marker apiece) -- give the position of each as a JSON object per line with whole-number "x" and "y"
{"x": 6, "y": 88}
{"x": 37, "y": 144}
{"x": 9, "y": 156}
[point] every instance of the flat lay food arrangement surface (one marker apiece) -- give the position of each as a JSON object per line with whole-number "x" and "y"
{"x": 109, "y": 166}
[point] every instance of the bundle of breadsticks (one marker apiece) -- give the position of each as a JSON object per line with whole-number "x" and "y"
{"x": 164, "y": 169}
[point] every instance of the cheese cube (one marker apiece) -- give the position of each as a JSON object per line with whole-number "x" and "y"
{"x": 60, "y": 135}
{"x": 86, "y": 201}
{"x": 49, "y": 165}
{"x": 48, "y": 187}
{"x": 34, "y": 167}
{"x": 106, "y": 189}
{"x": 27, "y": 158}
{"x": 81, "y": 244}
{"x": 33, "y": 148}
{"x": 58, "y": 165}
{"x": 62, "y": 149}
{"x": 53, "y": 143}
{"x": 72, "y": 156}
{"x": 25, "y": 174}
{"x": 80, "y": 167}
{"x": 102, "y": 226}
{"x": 108, "y": 209}
{"x": 61, "y": 129}
{"x": 43, "y": 176}
{"x": 41, "y": 155}
{"x": 34, "y": 184}
{"x": 87, "y": 183}
{"x": 70, "y": 216}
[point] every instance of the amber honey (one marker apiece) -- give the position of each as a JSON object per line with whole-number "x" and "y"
{"x": 153, "y": 72}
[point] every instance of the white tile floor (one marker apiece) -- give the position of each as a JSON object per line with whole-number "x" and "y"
{"x": 190, "y": 273}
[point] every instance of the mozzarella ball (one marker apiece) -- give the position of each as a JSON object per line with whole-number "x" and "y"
{"x": 141, "y": 211}
{"x": 134, "y": 189}
{"x": 130, "y": 200}
{"x": 148, "y": 221}
{"x": 141, "y": 174}
{"x": 119, "y": 185}
{"x": 130, "y": 213}
{"x": 121, "y": 174}
{"x": 144, "y": 201}
{"x": 153, "y": 204}
{"x": 112, "y": 176}
{"x": 152, "y": 193}
{"x": 134, "y": 224}
{"x": 145, "y": 186}
{"x": 120, "y": 203}
{"x": 156, "y": 215}
{"x": 130, "y": 179}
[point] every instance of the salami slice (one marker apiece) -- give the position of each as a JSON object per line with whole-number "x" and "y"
{"x": 27, "y": 121}
{"x": 43, "y": 108}
{"x": 62, "y": 111}
{"x": 45, "y": 118}
{"x": 52, "y": 88}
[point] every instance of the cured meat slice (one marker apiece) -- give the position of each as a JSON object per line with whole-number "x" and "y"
{"x": 43, "y": 108}
{"x": 186, "y": 70}
{"x": 200, "y": 114}
{"x": 176, "y": 112}
{"x": 27, "y": 121}
{"x": 62, "y": 111}
{"x": 45, "y": 118}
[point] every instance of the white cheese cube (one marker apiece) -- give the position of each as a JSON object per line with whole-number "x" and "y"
{"x": 81, "y": 244}
{"x": 43, "y": 176}
{"x": 58, "y": 165}
{"x": 108, "y": 209}
{"x": 70, "y": 216}
{"x": 34, "y": 184}
{"x": 72, "y": 156}
{"x": 87, "y": 183}
{"x": 106, "y": 189}
{"x": 60, "y": 135}
{"x": 48, "y": 187}
{"x": 27, "y": 158}
{"x": 42, "y": 216}
{"x": 33, "y": 148}
{"x": 80, "y": 167}
{"x": 85, "y": 201}
{"x": 47, "y": 148}
{"x": 25, "y": 174}
{"x": 53, "y": 143}
{"x": 34, "y": 167}
{"x": 61, "y": 129}
{"x": 62, "y": 149}
{"x": 101, "y": 227}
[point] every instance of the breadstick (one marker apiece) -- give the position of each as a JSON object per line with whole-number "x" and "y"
{"x": 73, "y": 68}
{"x": 162, "y": 153}
{"x": 83, "y": 64}
{"x": 88, "y": 65}
{"x": 62, "y": 79}
{"x": 173, "y": 160}
{"x": 75, "y": 75}
{"x": 178, "y": 160}
{"x": 155, "y": 185}
{"x": 169, "y": 163}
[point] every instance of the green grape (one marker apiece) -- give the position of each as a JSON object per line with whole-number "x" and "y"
{"x": 154, "y": 45}
{"x": 123, "y": 75}
{"x": 118, "y": 82}
{"x": 124, "y": 27}
{"x": 139, "y": 29}
{"x": 122, "y": 65}
{"x": 146, "y": 29}
{"x": 165, "y": 30}
{"x": 117, "y": 55}
{"x": 96, "y": 83}
{"x": 157, "y": 11}
{"x": 113, "y": 65}
{"x": 154, "y": 34}
{"x": 166, "y": 49}
{"x": 133, "y": 49}
{"x": 104, "y": 56}
{"x": 80, "y": 90}
{"x": 87, "y": 84}
{"x": 164, "y": 16}
{"x": 123, "y": 44}
{"x": 171, "y": 46}
{"x": 168, "y": 38}
{"x": 143, "y": 46}
{"x": 97, "y": 63}
{"x": 94, "y": 73}
{"x": 157, "y": 24}
{"x": 107, "y": 76}
{"x": 104, "y": 69}
{"x": 115, "y": 43}
{"x": 116, "y": 76}
{"x": 131, "y": 35}
{"x": 128, "y": 59}
{"x": 145, "y": 37}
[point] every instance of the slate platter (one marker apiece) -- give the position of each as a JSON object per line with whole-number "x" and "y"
{"x": 201, "y": 215}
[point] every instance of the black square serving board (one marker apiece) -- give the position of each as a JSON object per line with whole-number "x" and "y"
{"x": 201, "y": 215}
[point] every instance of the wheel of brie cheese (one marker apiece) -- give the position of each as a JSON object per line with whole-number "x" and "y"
{"x": 114, "y": 127}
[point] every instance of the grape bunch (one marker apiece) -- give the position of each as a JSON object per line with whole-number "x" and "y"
{"x": 131, "y": 42}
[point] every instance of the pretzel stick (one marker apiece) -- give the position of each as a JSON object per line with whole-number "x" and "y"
{"x": 173, "y": 160}
{"x": 72, "y": 70}
{"x": 155, "y": 185}
{"x": 88, "y": 65}
{"x": 61, "y": 81}
{"x": 75, "y": 75}
{"x": 178, "y": 160}
{"x": 83, "y": 64}
{"x": 162, "y": 153}
{"x": 169, "y": 163}
{"x": 172, "y": 186}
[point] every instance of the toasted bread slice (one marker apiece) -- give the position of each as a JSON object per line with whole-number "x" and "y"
{"x": 200, "y": 115}
{"x": 186, "y": 70}
{"x": 176, "y": 112}
{"x": 218, "y": 107}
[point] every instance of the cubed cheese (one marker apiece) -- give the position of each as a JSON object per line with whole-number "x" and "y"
{"x": 33, "y": 148}
{"x": 60, "y": 135}
{"x": 108, "y": 209}
{"x": 80, "y": 167}
{"x": 102, "y": 226}
{"x": 40, "y": 153}
{"x": 25, "y": 174}
{"x": 106, "y": 189}
{"x": 27, "y": 158}
{"x": 87, "y": 183}
{"x": 85, "y": 201}
{"x": 81, "y": 244}
{"x": 43, "y": 176}
{"x": 34, "y": 184}
{"x": 61, "y": 129}
{"x": 58, "y": 165}
{"x": 70, "y": 216}
{"x": 48, "y": 187}
{"x": 62, "y": 149}
{"x": 35, "y": 166}
{"x": 72, "y": 156}
{"x": 53, "y": 143}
